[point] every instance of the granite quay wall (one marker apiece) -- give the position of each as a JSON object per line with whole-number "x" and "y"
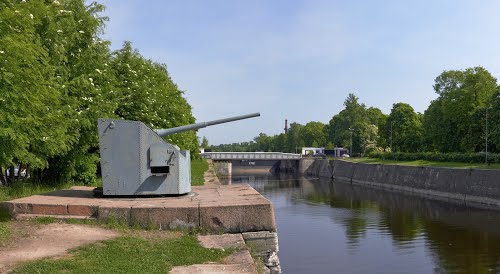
{"x": 223, "y": 168}
{"x": 467, "y": 185}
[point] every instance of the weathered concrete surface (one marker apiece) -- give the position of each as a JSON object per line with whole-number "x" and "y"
{"x": 240, "y": 262}
{"x": 343, "y": 170}
{"x": 316, "y": 167}
{"x": 467, "y": 185}
{"x": 483, "y": 187}
{"x": 222, "y": 241}
{"x": 262, "y": 241}
{"x": 231, "y": 208}
{"x": 223, "y": 168}
{"x": 289, "y": 166}
{"x": 209, "y": 175}
{"x": 265, "y": 245}
{"x": 305, "y": 165}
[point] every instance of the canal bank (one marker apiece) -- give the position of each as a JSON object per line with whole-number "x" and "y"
{"x": 469, "y": 186}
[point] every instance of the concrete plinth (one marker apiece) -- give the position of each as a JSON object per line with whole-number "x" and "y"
{"x": 232, "y": 208}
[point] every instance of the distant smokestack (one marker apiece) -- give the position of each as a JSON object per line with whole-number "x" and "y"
{"x": 286, "y": 126}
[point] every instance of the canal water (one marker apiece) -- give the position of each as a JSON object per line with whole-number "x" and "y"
{"x": 334, "y": 227}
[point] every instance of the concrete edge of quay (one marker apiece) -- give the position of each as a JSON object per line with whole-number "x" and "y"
{"x": 474, "y": 187}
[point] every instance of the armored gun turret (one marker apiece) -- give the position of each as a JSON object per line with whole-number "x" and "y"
{"x": 137, "y": 161}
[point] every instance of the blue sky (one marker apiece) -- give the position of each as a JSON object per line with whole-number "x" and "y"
{"x": 298, "y": 60}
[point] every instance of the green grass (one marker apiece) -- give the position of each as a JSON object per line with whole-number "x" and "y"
{"x": 198, "y": 167}
{"x": 24, "y": 189}
{"x": 128, "y": 254}
{"x": 110, "y": 223}
{"x": 423, "y": 163}
{"x": 5, "y": 231}
{"x": 45, "y": 220}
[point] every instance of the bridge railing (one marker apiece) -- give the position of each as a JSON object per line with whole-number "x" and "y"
{"x": 250, "y": 156}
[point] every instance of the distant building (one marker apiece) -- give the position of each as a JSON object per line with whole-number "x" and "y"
{"x": 313, "y": 150}
{"x": 336, "y": 152}
{"x": 321, "y": 151}
{"x": 203, "y": 150}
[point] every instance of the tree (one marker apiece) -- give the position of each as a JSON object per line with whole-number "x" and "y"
{"x": 454, "y": 122}
{"x": 279, "y": 143}
{"x": 494, "y": 123}
{"x": 352, "y": 126}
{"x": 314, "y": 134}
{"x": 377, "y": 120}
{"x": 81, "y": 59}
{"x": 295, "y": 138}
{"x": 57, "y": 76}
{"x": 204, "y": 142}
{"x": 262, "y": 142}
{"x": 32, "y": 124}
{"x": 406, "y": 128}
{"x": 145, "y": 92}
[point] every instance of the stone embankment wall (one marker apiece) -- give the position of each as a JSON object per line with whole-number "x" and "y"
{"x": 223, "y": 168}
{"x": 469, "y": 185}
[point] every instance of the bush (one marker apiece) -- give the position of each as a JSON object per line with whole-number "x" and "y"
{"x": 437, "y": 156}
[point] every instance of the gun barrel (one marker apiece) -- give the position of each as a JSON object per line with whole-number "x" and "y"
{"x": 169, "y": 131}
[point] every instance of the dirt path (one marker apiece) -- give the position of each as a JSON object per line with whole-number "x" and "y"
{"x": 33, "y": 242}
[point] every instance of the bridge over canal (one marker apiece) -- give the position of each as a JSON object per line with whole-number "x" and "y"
{"x": 263, "y": 161}
{"x": 252, "y": 156}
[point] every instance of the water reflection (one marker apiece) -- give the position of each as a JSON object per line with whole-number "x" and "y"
{"x": 327, "y": 227}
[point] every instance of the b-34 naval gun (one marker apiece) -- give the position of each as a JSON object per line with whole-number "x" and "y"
{"x": 137, "y": 161}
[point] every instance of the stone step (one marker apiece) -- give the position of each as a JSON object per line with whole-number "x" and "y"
{"x": 215, "y": 268}
{"x": 60, "y": 217}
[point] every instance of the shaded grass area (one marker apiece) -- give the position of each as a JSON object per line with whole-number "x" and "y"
{"x": 128, "y": 254}
{"x": 5, "y": 232}
{"x": 110, "y": 223}
{"x": 423, "y": 163}
{"x": 27, "y": 188}
{"x": 198, "y": 167}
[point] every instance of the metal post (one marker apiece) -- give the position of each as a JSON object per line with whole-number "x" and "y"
{"x": 486, "y": 150}
{"x": 350, "y": 129}
{"x": 391, "y": 138}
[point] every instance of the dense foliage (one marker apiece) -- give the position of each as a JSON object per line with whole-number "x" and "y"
{"x": 57, "y": 76}
{"x": 453, "y": 128}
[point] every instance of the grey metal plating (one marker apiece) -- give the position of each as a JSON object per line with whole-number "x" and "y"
{"x": 136, "y": 160}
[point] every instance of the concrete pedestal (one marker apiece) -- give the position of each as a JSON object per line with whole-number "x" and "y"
{"x": 232, "y": 208}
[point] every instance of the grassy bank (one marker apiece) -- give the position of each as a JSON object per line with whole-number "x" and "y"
{"x": 423, "y": 163}
{"x": 198, "y": 167}
{"x": 128, "y": 254}
{"x": 135, "y": 251}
